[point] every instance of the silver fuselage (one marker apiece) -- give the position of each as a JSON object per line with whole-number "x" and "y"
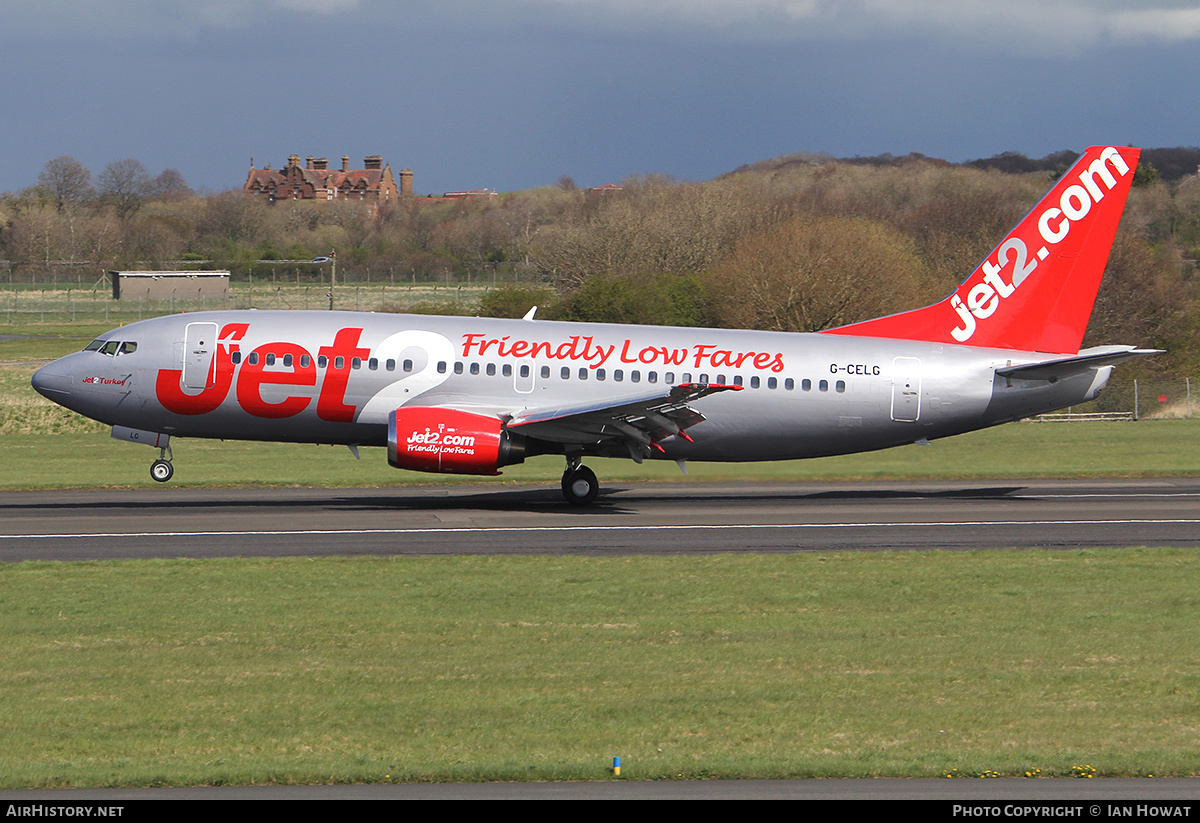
{"x": 333, "y": 377}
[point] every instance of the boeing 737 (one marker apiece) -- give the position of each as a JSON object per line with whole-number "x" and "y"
{"x": 472, "y": 395}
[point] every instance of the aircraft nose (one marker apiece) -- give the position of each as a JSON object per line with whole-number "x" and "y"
{"x": 52, "y": 381}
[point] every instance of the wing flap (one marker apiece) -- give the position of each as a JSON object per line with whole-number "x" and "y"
{"x": 638, "y": 421}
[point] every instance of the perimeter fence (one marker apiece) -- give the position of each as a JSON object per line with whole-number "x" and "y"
{"x": 30, "y": 305}
{"x": 1134, "y": 399}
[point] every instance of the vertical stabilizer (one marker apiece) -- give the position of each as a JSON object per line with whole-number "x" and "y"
{"x": 1035, "y": 291}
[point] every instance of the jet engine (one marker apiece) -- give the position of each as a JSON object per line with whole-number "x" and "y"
{"x": 429, "y": 439}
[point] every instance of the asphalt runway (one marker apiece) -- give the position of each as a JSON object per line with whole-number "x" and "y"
{"x": 632, "y": 519}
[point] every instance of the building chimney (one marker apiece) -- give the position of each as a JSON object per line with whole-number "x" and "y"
{"x": 309, "y": 164}
{"x": 375, "y": 162}
{"x": 406, "y": 182}
{"x": 321, "y": 164}
{"x": 345, "y": 162}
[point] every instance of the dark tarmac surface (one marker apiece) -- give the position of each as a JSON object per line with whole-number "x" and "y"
{"x": 634, "y": 519}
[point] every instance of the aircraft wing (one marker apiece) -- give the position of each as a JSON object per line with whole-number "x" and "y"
{"x": 1053, "y": 370}
{"x": 638, "y": 422}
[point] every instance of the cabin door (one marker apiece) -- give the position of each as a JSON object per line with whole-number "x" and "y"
{"x": 199, "y": 348}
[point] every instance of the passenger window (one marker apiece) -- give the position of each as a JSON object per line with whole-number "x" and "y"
{"x": 474, "y": 368}
{"x": 772, "y": 383}
{"x": 322, "y": 361}
{"x": 806, "y": 384}
{"x": 583, "y": 374}
{"x": 737, "y": 380}
{"x": 507, "y": 370}
{"x": 373, "y": 364}
{"x": 618, "y": 375}
{"x": 458, "y": 367}
{"x": 407, "y": 366}
{"x": 252, "y": 360}
{"x": 754, "y": 382}
{"x": 599, "y": 374}
{"x": 441, "y": 367}
{"x": 669, "y": 378}
{"x": 840, "y": 386}
{"x": 635, "y": 377}
{"x": 524, "y": 370}
{"x": 339, "y": 362}
{"x": 270, "y": 359}
{"x": 287, "y": 360}
{"x": 823, "y": 385}
{"x": 652, "y": 377}
{"x": 789, "y": 384}
{"x": 236, "y": 357}
{"x": 491, "y": 369}
{"x": 545, "y": 372}
{"x": 305, "y": 361}
{"x": 565, "y": 374}
{"x": 390, "y": 365}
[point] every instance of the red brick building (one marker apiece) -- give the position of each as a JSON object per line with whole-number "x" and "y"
{"x": 316, "y": 181}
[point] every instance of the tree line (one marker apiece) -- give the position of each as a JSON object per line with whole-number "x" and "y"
{"x": 797, "y": 243}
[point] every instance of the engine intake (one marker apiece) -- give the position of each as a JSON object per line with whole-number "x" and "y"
{"x": 429, "y": 439}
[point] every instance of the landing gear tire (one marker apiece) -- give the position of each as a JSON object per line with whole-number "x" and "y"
{"x": 580, "y": 486}
{"x": 161, "y": 470}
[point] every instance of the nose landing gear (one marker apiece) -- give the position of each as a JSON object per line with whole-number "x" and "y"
{"x": 161, "y": 469}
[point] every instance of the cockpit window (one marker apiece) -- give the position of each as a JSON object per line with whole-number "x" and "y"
{"x": 111, "y": 347}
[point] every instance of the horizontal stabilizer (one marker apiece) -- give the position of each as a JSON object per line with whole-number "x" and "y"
{"x": 1066, "y": 366}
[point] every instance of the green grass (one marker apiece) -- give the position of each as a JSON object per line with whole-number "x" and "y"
{"x": 472, "y": 668}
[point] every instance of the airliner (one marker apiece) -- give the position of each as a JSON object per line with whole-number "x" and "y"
{"x": 472, "y": 395}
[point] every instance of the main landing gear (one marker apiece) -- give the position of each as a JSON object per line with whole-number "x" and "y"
{"x": 579, "y": 484}
{"x": 161, "y": 469}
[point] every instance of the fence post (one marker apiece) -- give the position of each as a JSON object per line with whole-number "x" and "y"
{"x": 1188, "y": 381}
{"x": 1135, "y": 400}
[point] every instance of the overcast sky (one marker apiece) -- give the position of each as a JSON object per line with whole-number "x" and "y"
{"x": 512, "y": 94}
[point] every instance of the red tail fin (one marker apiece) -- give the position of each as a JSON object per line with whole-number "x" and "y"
{"x": 1035, "y": 291}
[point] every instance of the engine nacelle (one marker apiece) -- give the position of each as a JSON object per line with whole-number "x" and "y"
{"x": 428, "y": 439}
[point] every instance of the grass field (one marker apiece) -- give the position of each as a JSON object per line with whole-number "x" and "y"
{"x": 242, "y": 671}
{"x": 471, "y": 668}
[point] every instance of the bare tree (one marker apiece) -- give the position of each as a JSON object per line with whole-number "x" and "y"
{"x": 170, "y": 185}
{"x": 125, "y": 184}
{"x": 68, "y": 179}
{"x": 812, "y": 273}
